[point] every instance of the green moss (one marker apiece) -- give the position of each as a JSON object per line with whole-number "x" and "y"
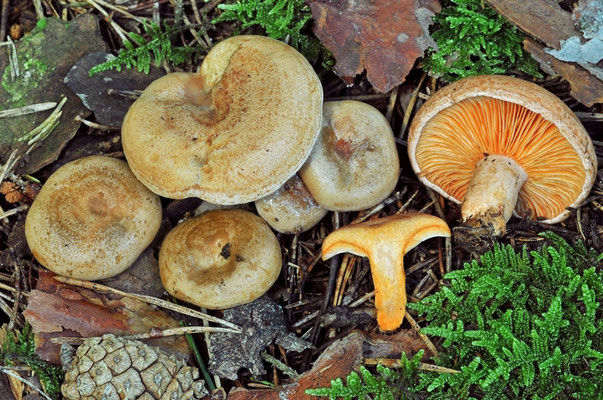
{"x": 41, "y": 23}
{"x": 32, "y": 73}
{"x": 473, "y": 39}
{"x": 516, "y": 325}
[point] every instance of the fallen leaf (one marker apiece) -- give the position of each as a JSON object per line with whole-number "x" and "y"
{"x": 540, "y": 18}
{"x": 55, "y": 310}
{"x": 45, "y": 56}
{"x": 586, "y": 88}
{"x": 16, "y": 386}
{"x": 109, "y": 109}
{"x": 570, "y": 54}
{"x": 5, "y": 391}
{"x": 337, "y": 361}
{"x": 261, "y": 321}
{"x": 385, "y": 37}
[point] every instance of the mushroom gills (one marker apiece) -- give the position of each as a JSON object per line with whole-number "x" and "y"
{"x": 492, "y": 194}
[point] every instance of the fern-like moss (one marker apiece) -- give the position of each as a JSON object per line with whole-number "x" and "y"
{"x": 281, "y": 19}
{"x": 517, "y": 325}
{"x": 140, "y": 52}
{"x": 473, "y": 39}
{"x": 19, "y": 349}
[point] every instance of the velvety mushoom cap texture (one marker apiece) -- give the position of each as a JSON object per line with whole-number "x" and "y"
{"x": 467, "y": 121}
{"x": 233, "y": 132}
{"x": 291, "y": 208}
{"x": 354, "y": 164}
{"x": 92, "y": 219}
{"x": 220, "y": 259}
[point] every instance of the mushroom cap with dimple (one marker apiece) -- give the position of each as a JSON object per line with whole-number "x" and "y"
{"x": 354, "y": 164}
{"x": 291, "y": 209}
{"x": 220, "y": 259}
{"x": 92, "y": 219}
{"x": 233, "y": 132}
{"x": 478, "y": 116}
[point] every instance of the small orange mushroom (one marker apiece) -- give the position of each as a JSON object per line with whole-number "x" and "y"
{"x": 385, "y": 241}
{"x": 502, "y": 146}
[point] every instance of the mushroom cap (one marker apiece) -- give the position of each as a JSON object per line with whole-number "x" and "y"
{"x": 291, "y": 208}
{"x": 500, "y": 115}
{"x": 233, "y": 132}
{"x": 354, "y": 164}
{"x": 220, "y": 259}
{"x": 92, "y": 219}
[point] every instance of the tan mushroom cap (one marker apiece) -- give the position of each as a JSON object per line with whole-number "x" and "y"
{"x": 233, "y": 132}
{"x": 354, "y": 164}
{"x": 92, "y": 219}
{"x": 220, "y": 259}
{"x": 503, "y": 120}
{"x": 291, "y": 209}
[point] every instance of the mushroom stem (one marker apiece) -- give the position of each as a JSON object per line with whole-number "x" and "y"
{"x": 385, "y": 241}
{"x": 492, "y": 194}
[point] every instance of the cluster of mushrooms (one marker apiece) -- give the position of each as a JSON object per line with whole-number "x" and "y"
{"x": 251, "y": 126}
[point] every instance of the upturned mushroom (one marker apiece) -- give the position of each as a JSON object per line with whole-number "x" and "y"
{"x": 500, "y": 145}
{"x": 233, "y": 132}
{"x": 354, "y": 164}
{"x": 291, "y": 209}
{"x": 92, "y": 219}
{"x": 385, "y": 241}
{"x": 220, "y": 259}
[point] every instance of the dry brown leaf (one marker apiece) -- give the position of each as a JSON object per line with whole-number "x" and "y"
{"x": 55, "y": 310}
{"x": 385, "y": 37}
{"x": 540, "y": 18}
{"x": 337, "y": 361}
{"x": 586, "y": 88}
{"x": 16, "y": 386}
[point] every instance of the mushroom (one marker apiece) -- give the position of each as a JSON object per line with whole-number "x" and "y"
{"x": 385, "y": 241}
{"x": 354, "y": 164}
{"x": 499, "y": 144}
{"x": 291, "y": 209}
{"x": 92, "y": 219}
{"x": 233, "y": 132}
{"x": 220, "y": 259}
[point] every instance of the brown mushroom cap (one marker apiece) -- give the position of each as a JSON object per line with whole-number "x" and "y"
{"x": 354, "y": 164}
{"x": 92, "y": 219}
{"x": 291, "y": 208}
{"x": 233, "y": 132}
{"x": 473, "y": 118}
{"x": 220, "y": 259}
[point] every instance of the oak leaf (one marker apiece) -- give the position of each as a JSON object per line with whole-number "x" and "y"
{"x": 385, "y": 37}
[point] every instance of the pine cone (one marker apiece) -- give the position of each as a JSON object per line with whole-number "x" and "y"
{"x": 110, "y": 368}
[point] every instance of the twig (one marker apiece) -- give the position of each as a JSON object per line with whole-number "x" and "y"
{"x": 407, "y": 204}
{"x": 363, "y": 97}
{"x": 34, "y": 108}
{"x": 25, "y": 381}
{"x": 395, "y": 363}
{"x": 96, "y": 125}
{"x": 12, "y": 211}
{"x": 39, "y": 9}
{"x": 42, "y": 131}
{"x": 392, "y": 103}
{"x": 4, "y": 16}
{"x": 447, "y": 240}
{"x": 285, "y": 369}
{"x": 153, "y": 334}
{"x": 147, "y": 299}
{"x": 411, "y": 106}
{"x": 423, "y": 337}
